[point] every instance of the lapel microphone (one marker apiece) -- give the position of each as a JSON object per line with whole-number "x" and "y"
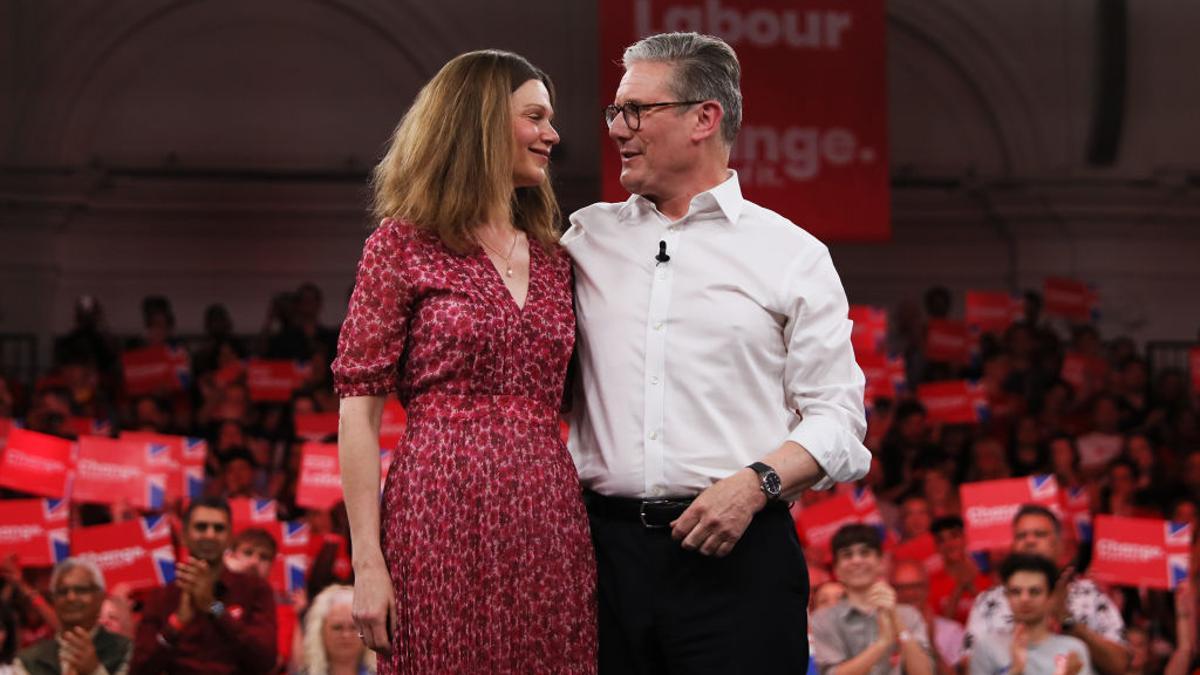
{"x": 662, "y": 256}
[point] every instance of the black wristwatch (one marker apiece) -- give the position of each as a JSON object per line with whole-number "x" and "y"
{"x": 768, "y": 481}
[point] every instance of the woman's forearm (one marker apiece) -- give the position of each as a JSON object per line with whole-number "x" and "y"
{"x": 359, "y": 421}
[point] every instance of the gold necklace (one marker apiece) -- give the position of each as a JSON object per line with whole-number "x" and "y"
{"x": 508, "y": 270}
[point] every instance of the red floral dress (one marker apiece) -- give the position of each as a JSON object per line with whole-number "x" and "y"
{"x": 484, "y": 531}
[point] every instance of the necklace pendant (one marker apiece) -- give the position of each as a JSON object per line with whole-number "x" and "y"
{"x": 508, "y": 271}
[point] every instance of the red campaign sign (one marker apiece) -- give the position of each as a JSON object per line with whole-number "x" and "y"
{"x": 948, "y": 341}
{"x": 112, "y": 471}
{"x": 87, "y": 426}
{"x": 184, "y": 462}
{"x": 228, "y": 374}
{"x": 988, "y": 507}
{"x": 993, "y": 312}
{"x": 316, "y": 426}
{"x": 870, "y": 329}
{"x": 1077, "y": 511}
{"x": 6, "y": 425}
{"x": 290, "y": 570}
{"x": 885, "y": 375}
{"x": 953, "y": 401}
{"x": 1145, "y": 552}
{"x": 922, "y": 549}
{"x": 1194, "y": 367}
{"x": 249, "y": 512}
{"x": 36, "y": 530}
{"x": 391, "y": 431}
{"x": 813, "y": 144}
{"x": 36, "y": 464}
{"x": 137, "y": 552}
{"x": 1069, "y": 298}
{"x": 320, "y": 485}
{"x": 156, "y": 369}
{"x": 274, "y": 380}
{"x": 819, "y": 522}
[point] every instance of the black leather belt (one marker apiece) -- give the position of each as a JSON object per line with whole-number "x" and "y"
{"x": 651, "y": 513}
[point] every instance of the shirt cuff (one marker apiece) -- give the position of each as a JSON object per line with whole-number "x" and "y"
{"x": 842, "y": 458}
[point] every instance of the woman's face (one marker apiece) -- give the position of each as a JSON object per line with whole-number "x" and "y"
{"x": 340, "y": 635}
{"x": 533, "y": 135}
{"x": 1063, "y": 456}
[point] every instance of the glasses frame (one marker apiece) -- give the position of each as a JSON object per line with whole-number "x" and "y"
{"x": 611, "y": 110}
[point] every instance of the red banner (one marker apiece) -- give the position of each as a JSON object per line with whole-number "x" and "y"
{"x": 953, "y": 401}
{"x": 37, "y": 464}
{"x": 274, "y": 380}
{"x": 1077, "y": 511}
{"x": 248, "y": 512}
{"x": 316, "y": 426}
{"x": 922, "y": 549}
{"x": 155, "y": 370}
{"x": 1141, "y": 552}
{"x": 183, "y": 462}
{"x": 988, "y": 507}
{"x": 870, "y": 329}
{"x": 993, "y": 312}
{"x": 948, "y": 341}
{"x": 813, "y": 144}
{"x": 320, "y": 485}
{"x": 819, "y": 522}
{"x": 1069, "y": 298}
{"x": 87, "y": 426}
{"x": 113, "y": 471}
{"x": 290, "y": 571}
{"x": 137, "y": 552}
{"x": 885, "y": 375}
{"x": 36, "y": 530}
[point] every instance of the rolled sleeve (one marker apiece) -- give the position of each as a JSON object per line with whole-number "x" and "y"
{"x": 823, "y": 382}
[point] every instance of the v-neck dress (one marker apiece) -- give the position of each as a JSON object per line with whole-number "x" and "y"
{"x": 482, "y": 524}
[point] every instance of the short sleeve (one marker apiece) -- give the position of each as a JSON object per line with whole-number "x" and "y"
{"x": 828, "y": 649}
{"x": 373, "y": 335}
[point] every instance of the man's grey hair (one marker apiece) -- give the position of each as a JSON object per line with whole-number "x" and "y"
{"x": 71, "y": 563}
{"x": 706, "y": 68}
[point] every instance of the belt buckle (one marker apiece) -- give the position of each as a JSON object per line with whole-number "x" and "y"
{"x": 642, "y": 512}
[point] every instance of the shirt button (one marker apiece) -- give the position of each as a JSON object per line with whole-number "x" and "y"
{"x": 653, "y": 379}
{"x": 658, "y": 326}
{"x": 654, "y": 435}
{"x": 657, "y": 492}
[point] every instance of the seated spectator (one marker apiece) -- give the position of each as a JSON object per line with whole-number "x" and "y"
{"x": 941, "y": 494}
{"x": 914, "y": 517}
{"x": 81, "y": 645}
{"x": 988, "y": 460}
{"x": 237, "y": 473}
{"x": 865, "y": 631}
{"x": 1087, "y": 613}
{"x": 331, "y": 642}
{"x": 212, "y": 619}
{"x": 953, "y": 589}
{"x": 1031, "y": 647}
{"x": 1026, "y": 454}
{"x": 253, "y": 552}
{"x": 912, "y": 588}
{"x": 1104, "y": 442}
{"x": 828, "y": 594}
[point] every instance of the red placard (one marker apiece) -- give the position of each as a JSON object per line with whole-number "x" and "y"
{"x": 1069, "y": 298}
{"x": 290, "y": 570}
{"x": 885, "y": 375}
{"x": 922, "y": 549}
{"x": 35, "y": 463}
{"x": 391, "y": 431}
{"x": 1194, "y": 367}
{"x": 88, "y": 426}
{"x": 320, "y": 485}
{"x": 819, "y": 522}
{"x": 1141, "y": 552}
{"x": 870, "y": 329}
{"x": 1077, "y": 511}
{"x": 993, "y": 312}
{"x": 988, "y": 507}
{"x": 316, "y": 426}
{"x": 36, "y": 530}
{"x": 953, "y": 401}
{"x": 249, "y": 512}
{"x": 813, "y": 144}
{"x": 113, "y": 471}
{"x": 184, "y": 462}
{"x": 155, "y": 370}
{"x": 274, "y": 380}
{"x": 137, "y": 552}
{"x": 948, "y": 341}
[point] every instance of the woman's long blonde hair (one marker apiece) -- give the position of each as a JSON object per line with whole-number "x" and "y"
{"x": 450, "y": 164}
{"x": 315, "y": 661}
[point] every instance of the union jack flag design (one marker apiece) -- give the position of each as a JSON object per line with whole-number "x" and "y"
{"x": 1043, "y": 486}
{"x": 1177, "y": 534}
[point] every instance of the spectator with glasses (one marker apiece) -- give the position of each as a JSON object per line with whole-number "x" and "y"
{"x": 82, "y": 646}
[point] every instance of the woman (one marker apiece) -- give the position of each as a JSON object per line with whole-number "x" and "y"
{"x": 331, "y": 644}
{"x": 480, "y": 559}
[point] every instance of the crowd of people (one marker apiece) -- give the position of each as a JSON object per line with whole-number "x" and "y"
{"x": 1130, "y": 443}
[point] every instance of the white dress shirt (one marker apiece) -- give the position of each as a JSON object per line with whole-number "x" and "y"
{"x": 694, "y": 368}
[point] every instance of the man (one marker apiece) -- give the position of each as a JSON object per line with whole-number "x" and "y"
{"x": 211, "y": 620}
{"x": 81, "y": 646}
{"x": 717, "y": 382}
{"x": 915, "y": 517}
{"x": 867, "y": 632}
{"x": 253, "y": 551}
{"x": 1031, "y": 647}
{"x": 1078, "y": 607}
{"x": 912, "y": 588}
{"x": 952, "y": 590}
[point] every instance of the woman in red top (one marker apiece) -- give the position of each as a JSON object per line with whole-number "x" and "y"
{"x": 479, "y": 559}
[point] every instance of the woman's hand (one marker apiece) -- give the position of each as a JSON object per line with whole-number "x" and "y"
{"x": 374, "y": 608}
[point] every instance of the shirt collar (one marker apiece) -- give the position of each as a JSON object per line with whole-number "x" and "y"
{"x": 725, "y": 198}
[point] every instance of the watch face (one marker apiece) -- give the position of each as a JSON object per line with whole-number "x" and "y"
{"x": 772, "y": 484}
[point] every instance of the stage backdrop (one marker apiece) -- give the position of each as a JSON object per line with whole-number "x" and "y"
{"x": 813, "y": 145}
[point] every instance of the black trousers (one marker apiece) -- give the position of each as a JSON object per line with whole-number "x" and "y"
{"x": 664, "y": 609}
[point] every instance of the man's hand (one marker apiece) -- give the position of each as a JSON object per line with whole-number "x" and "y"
{"x": 196, "y": 583}
{"x": 1019, "y": 650}
{"x": 1071, "y": 665}
{"x": 718, "y": 517}
{"x": 881, "y": 596}
{"x": 79, "y": 652}
{"x": 1058, "y": 597}
{"x": 889, "y": 633}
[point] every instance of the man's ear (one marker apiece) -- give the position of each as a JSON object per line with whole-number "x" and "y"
{"x": 708, "y": 120}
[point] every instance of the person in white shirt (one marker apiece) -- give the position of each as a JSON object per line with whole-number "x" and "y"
{"x": 716, "y": 381}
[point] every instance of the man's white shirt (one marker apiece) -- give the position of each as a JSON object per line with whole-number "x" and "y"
{"x": 693, "y": 368}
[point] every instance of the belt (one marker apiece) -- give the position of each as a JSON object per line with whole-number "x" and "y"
{"x": 651, "y": 513}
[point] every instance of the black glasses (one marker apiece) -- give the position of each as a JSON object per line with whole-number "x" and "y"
{"x": 632, "y": 112}
{"x": 64, "y": 591}
{"x": 217, "y": 528}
